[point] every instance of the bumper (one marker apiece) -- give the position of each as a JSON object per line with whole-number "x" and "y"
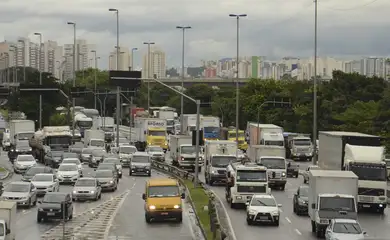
{"x": 302, "y": 209}
{"x": 108, "y": 187}
{"x": 263, "y": 219}
{"x": 83, "y": 196}
{"x": 67, "y": 180}
{"x": 19, "y": 203}
{"x": 241, "y": 199}
{"x": 164, "y": 215}
{"x": 50, "y": 215}
{"x": 218, "y": 178}
{"x": 161, "y": 159}
{"x": 125, "y": 163}
{"x": 301, "y": 156}
{"x": 140, "y": 171}
{"x": 277, "y": 182}
{"x": 372, "y": 205}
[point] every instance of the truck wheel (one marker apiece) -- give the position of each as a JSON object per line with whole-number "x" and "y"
{"x": 232, "y": 204}
{"x": 304, "y": 180}
{"x": 313, "y": 226}
{"x": 381, "y": 211}
{"x": 199, "y": 169}
{"x": 211, "y": 182}
{"x": 248, "y": 221}
{"x": 282, "y": 187}
{"x": 277, "y": 223}
{"x": 318, "y": 232}
{"x": 205, "y": 179}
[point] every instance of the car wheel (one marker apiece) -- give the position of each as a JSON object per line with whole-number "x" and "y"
{"x": 147, "y": 218}
{"x": 30, "y": 203}
{"x": 277, "y": 222}
{"x": 248, "y": 221}
{"x": 39, "y": 219}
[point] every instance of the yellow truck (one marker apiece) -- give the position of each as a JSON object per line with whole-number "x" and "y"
{"x": 230, "y": 134}
{"x": 150, "y": 131}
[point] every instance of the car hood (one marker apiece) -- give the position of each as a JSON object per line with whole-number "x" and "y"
{"x": 123, "y": 155}
{"x": 50, "y": 205}
{"x": 266, "y": 209}
{"x": 157, "y": 153}
{"x": 137, "y": 164}
{"x": 105, "y": 179}
{"x": 348, "y": 236}
{"x": 81, "y": 188}
{"x": 188, "y": 155}
{"x": 29, "y": 163}
{"x": 67, "y": 173}
{"x": 42, "y": 184}
{"x": 14, "y": 194}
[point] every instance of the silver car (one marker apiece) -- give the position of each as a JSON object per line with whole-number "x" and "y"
{"x": 140, "y": 163}
{"x": 156, "y": 153}
{"x": 23, "y": 193}
{"x": 115, "y": 161}
{"x": 86, "y": 189}
{"x": 344, "y": 229}
{"x": 107, "y": 180}
{"x": 125, "y": 152}
{"x": 86, "y": 154}
{"x": 45, "y": 182}
{"x": 23, "y": 163}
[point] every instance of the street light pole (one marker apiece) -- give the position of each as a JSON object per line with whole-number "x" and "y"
{"x": 74, "y": 72}
{"x": 40, "y": 77}
{"x": 118, "y": 89}
{"x": 132, "y": 58}
{"x": 183, "y": 28}
{"x": 95, "y": 73}
{"x": 237, "y": 16}
{"x": 315, "y": 84}
{"x": 149, "y": 76}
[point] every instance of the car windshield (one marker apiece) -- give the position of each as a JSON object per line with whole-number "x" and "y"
{"x": 112, "y": 160}
{"x": 157, "y": 133}
{"x": 155, "y": 149}
{"x": 304, "y": 191}
{"x": 347, "y": 228}
{"x": 69, "y": 155}
{"x": 34, "y": 170}
{"x": 86, "y": 151}
{"x": 140, "y": 159}
{"x": 104, "y": 174}
{"x": 75, "y": 161}
{"x": 272, "y": 163}
{"x": 97, "y": 143}
{"x": 42, "y": 178}
{"x": 302, "y": 142}
{"x": 86, "y": 182}
{"x": 22, "y": 144}
{"x": 98, "y": 153}
{"x": 69, "y": 167}
{"x": 53, "y": 198}
{"x": 269, "y": 202}
{"x": 163, "y": 191}
{"x": 188, "y": 150}
{"x": 16, "y": 187}
{"x": 222, "y": 161}
{"x": 127, "y": 150}
{"x": 25, "y": 158}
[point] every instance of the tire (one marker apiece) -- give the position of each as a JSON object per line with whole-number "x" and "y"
{"x": 74, "y": 199}
{"x": 294, "y": 209}
{"x": 130, "y": 173}
{"x": 381, "y": 211}
{"x": 35, "y": 202}
{"x": 100, "y": 196}
{"x": 206, "y": 180}
{"x": 304, "y": 180}
{"x": 249, "y": 222}
{"x": 296, "y": 175}
{"x": 39, "y": 219}
{"x": 71, "y": 216}
{"x": 30, "y": 203}
{"x": 232, "y": 204}
{"x": 179, "y": 219}
{"x": 313, "y": 226}
{"x": 150, "y": 174}
{"x": 277, "y": 223}
{"x": 147, "y": 219}
{"x": 282, "y": 187}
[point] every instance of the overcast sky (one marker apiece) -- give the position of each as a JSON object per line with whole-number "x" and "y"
{"x": 273, "y": 28}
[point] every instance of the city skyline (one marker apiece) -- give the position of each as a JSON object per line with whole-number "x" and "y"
{"x": 276, "y": 29}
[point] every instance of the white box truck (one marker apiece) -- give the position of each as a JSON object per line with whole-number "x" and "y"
{"x": 183, "y": 153}
{"x": 8, "y": 220}
{"x": 21, "y": 130}
{"x": 274, "y": 159}
{"x": 332, "y": 194}
{"x": 94, "y": 138}
{"x": 189, "y": 123}
{"x": 362, "y": 154}
{"x": 265, "y": 134}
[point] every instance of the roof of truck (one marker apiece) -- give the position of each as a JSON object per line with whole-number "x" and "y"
{"x": 349, "y": 134}
{"x": 263, "y": 125}
{"x": 332, "y": 173}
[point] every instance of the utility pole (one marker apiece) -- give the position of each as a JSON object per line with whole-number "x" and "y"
{"x": 132, "y": 58}
{"x": 74, "y": 72}
{"x": 40, "y": 77}
{"x": 315, "y": 84}
{"x": 95, "y": 73}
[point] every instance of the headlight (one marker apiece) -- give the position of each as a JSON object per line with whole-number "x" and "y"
{"x": 213, "y": 172}
{"x": 152, "y": 207}
{"x": 74, "y": 192}
{"x": 111, "y": 181}
{"x": 301, "y": 201}
{"x": 275, "y": 213}
{"x": 251, "y": 212}
{"x": 24, "y": 198}
{"x": 283, "y": 174}
{"x": 176, "y": 206}
{"x": 92, "y": 192}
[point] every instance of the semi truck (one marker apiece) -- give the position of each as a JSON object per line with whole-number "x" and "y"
{"x": 94, "y": 138}
{"x": 211, "y": 127}
{"x": 82, "y": 123}
{"x": 107, "y": 124}
{"x": 362, "y": 154}
{"x": 183, "y": 153}
{"x": 168, "y": 114}
{"x": 230, "y": 134}
{"x": 7, "y": 220}
{"x": 150, "y": 131}
{"x": 21, "y": 130}
{"x": 332, "y": 194}
{"x": 298, "y": 146}
{"x": 274, "y": 159}
{"x": 265, "y": 134}
{"x": 218, "y": 155}
{"x": 243, "y": 180}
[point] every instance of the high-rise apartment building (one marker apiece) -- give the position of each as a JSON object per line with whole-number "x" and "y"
{"x": 124, "y": 59}
{"x": 156, "y": 64}
{"x": 83, "y": 54}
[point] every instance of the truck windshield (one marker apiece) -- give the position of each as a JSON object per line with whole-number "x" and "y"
{"x": 369, "y": 172}
{"x": 140, "y": 159}
{"x": 157, "y": 133}
{"x": 302, "y": 142}
{"x": 251, "y": 176}
{"x": 222, "y": 161}
{"x": 170, "y": 122}
{"x": 25, "y": 136}
{"x": 337, "y": 204}
{"x": 84, "y": 124}
{"x": 2, "y": 230}
{"x": 273, "y": 163}
{"x": 163, "y": 191}
{"x": 274, "y": 143}
{"x": 233, "y": 135}
{"x": 97, "y": 143}
{"x": 188, "y": 150}
{"x": 108, "y": 129}
{"x": 58, "y": 140}
{"x": 211, "y": 130}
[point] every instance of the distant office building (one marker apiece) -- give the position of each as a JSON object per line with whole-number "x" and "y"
{"x": 157, "y": 64}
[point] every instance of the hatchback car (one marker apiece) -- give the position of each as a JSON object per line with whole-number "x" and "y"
{"x": 45, "y": 182}
{"x": 31, "y": 172}
{"x": 23, "y": 163}
{"x": 96, "y": 157}
{"x": 52, "y": 206}
{"x": 156, "y": 153}
{"x": 301, "y": 200}
{"x": 23, "y": 193}
{"x": 86, "y": 189}
{"x": 107, "y": 179}
{"x": 75, "y": 161}
{"x": 53, "y": 159}
{"x": 112, "y": 167}
{"x": 344, "y": 229}
{"x": 117, "y": 162}
{"x": 68, "y": 173}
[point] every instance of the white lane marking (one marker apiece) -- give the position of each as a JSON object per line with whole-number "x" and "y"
{"x": 227, "y": 215}
{"x": 26, "y": 211}
{"x": 298, "y": 232}
{"x": 288, "y": 183}
{"x": 281, "y": 210}
{"x": 288, "y": 220}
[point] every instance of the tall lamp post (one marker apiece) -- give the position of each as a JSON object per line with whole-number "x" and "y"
{"x": 95, "y": 71}
{"x": 132, "y": 58}
{"x": 315, "y": 84}
{"x": 24, "y": 58}
{"x": 183, "y": 28}
{"x": 149, "y": 76}
{"x": 40, "y": 77}
{"x": 74, "y": 71}
{"x": 237, "y": 16}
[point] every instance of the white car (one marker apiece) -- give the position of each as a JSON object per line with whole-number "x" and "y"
{"x": 23, "y": 163}
{"x": 45, "y": 182}
{"x": 156, "y": 153}
{"x": 75, "y": 161}
{"x": 125, "y": 152}
{"x": 263, "y": 208}
{"x": 347, "y": 229}
{"x": 68, "y": 173}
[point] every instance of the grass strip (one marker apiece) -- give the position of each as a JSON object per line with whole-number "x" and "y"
{"x": 3, "y": 170}
{"x": 200, "y": 199}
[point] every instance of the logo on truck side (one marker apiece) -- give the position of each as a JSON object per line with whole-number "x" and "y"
{"x": 156, "y": 123}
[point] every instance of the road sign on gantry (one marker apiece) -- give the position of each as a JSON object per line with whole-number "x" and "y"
{"x": 125, "y": 79}
{"x": 37, "y": 89}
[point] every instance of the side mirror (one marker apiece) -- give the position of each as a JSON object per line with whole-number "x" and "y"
{"x": 183, "y": 196}
{"x": 279, "y": 205}
{"x": 144, "y": 196}
{"x": 364, "y": 232}
{"x": 40, "y": 202}
{"x": 8, "y": 231}
{"x": 313, "y": 206}
{"x": 247, "y": 203}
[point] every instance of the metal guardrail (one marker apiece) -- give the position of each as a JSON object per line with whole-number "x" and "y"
{"x": 219, "y": 232}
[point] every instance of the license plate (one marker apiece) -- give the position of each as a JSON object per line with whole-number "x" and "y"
{"x": 50, "y": 214}
{"x": 164, "y": 213}
{"x": 366, "y": 205}
{"x": 263, "y": 218}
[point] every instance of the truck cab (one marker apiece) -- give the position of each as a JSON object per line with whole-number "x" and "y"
{"x": 299, "y": 147}
{"x": 7, "y": 220}
{"x": 230, "y": 134}
{"x": 157, "y": 136}
{"x": 243, "y": 180}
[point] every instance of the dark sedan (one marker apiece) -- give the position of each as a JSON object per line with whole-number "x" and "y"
{"x": 300, "y": 200}
{"x": 55, "y": 205}
{"x": 22, "y": 147}
{"x": 53, "y": 159}
{"x": 292, "y": 169}
{"x": 96, "y": 157}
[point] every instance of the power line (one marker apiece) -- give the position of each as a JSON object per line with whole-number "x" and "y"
{"x": 352, "y": 8}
